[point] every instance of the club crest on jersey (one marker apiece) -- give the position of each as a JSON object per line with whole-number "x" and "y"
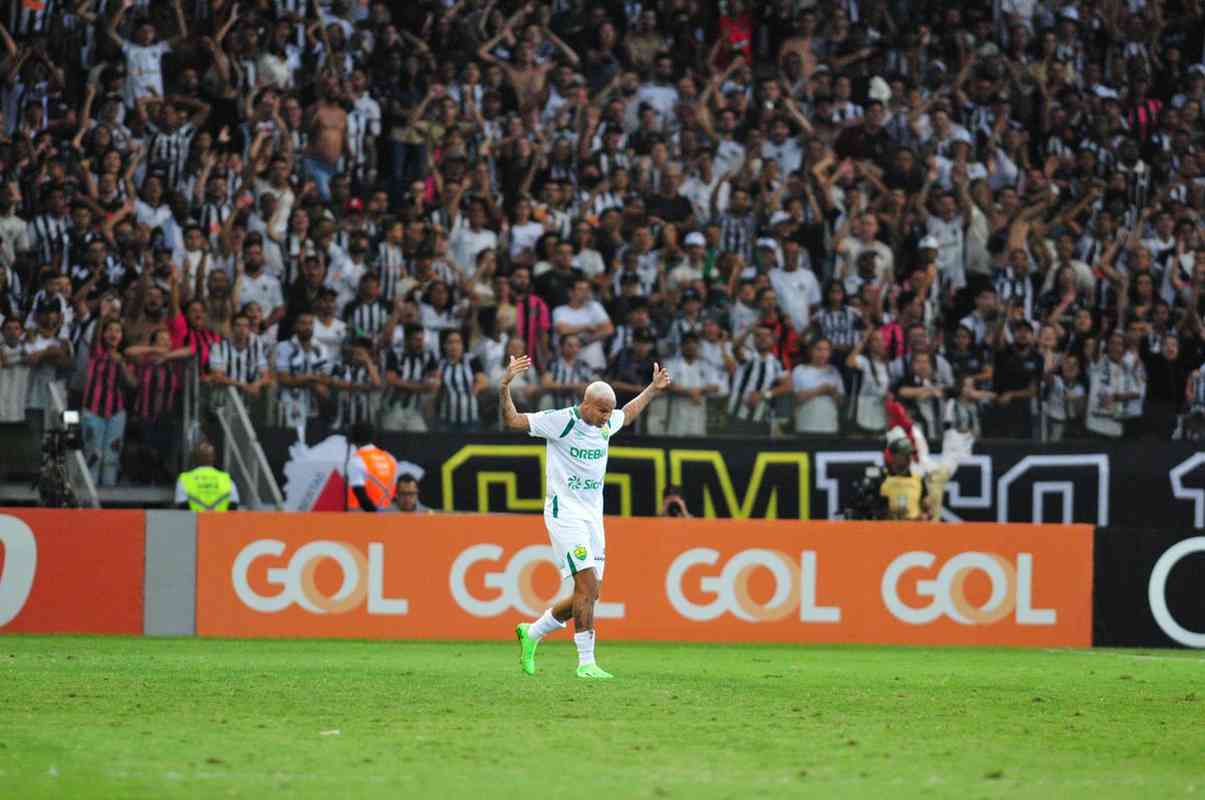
{"x": 579, "y": 553}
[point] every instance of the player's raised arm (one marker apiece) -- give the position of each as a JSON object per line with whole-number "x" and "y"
{"x": 636, "y": 405}
{"x": 511, "y": 418}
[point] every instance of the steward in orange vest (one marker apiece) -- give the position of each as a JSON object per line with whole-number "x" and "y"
{"x": 371, "y": 472}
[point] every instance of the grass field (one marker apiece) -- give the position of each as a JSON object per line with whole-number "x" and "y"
{"x": 144, "y": 718}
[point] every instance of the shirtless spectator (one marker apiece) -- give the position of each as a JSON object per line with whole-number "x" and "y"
{"x": 526, "y": 76}
{"x": 327, "y": 127}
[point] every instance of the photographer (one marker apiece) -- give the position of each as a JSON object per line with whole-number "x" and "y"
{"x": 904, "y": 492}
{"x": 673, "y": 505}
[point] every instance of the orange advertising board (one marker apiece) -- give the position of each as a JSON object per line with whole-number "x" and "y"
{"x": 473, "y": 577}
{"x": 71, "y": 571}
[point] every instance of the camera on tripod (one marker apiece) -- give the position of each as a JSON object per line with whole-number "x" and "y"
{"x": 56, "y": 442}
{"x": 865, "y": 500}
{"x": 54, "y": 485}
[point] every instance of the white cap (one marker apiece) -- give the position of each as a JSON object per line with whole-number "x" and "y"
{"x": 766, "y": 241}
{"x": 1069, "y": 12}
{"x": 779, "y": 217}
{"x": 695, "y": 239}
{"x": 879, "y": 90}
{"x": 928, "y": 242}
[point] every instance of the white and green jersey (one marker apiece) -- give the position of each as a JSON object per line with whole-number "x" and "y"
{"x": 576, "y": 462}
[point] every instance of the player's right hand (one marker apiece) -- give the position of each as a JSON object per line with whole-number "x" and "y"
{"x": 515, "y": 367}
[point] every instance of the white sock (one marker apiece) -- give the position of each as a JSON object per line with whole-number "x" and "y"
{"x": 544, "y": 625}
{"x": 585, "y": 647}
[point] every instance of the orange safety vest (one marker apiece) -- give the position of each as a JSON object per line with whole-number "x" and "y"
{"x": 382, "y": 477}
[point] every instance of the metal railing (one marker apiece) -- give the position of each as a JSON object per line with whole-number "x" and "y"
{"x": 190, "y": 433}
{"x": 78, "y": 474}
{"x": 244, "y": 458}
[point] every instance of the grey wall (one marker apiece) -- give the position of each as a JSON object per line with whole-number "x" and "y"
{"x": 171, "y": 574}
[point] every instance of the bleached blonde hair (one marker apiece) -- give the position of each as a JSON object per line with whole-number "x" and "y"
{"x": 600, "y": 391}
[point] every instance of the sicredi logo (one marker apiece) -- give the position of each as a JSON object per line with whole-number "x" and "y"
{"x": 1011, "y": 590}
{"x": 18, "y": 565}
{"x": 515, "y": 583}
{"x": 363, "y": 579}
{"x": 794, "y": 586}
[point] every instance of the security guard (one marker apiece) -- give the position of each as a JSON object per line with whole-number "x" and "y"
{"x": 903, "y": 491}
{"x": 206, "y": 488}
{"x": 371, "y": 472}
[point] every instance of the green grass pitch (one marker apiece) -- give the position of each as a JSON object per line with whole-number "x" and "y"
{"x": 145, "y": 718}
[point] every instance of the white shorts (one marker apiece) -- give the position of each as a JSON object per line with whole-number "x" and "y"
{"x": 577, "y": 544}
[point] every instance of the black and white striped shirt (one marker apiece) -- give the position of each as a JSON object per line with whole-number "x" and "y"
{"x": 841, "y": 327}
{"x": 353, "y": 406}
{"x": 296, "y": 402}
{"x": 25, "y": 21}
{"x": 294, "y": 248}
{"x": 736, "y": 235}
{"x": 366, "y": 319}
{"x": 247, "y": 365}
{"x": 560, "y": 372}
{"x": 355, "y": 163}
{"x": 1011, "y": 288}
{"x": 50, "y": 238}
{"x": 391, "y": 269}
{"x": 212, "y": 216}
{"x": 457, "y": 403}
{"x": 758, "y": 374}
{"x": 169, "y": 151}
{"x": 410, "y": 367}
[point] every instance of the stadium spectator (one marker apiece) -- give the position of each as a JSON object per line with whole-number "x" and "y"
{"x": 461, "y": 380}
{"x": 411, "y": 375}
{"x": 358, "y": 384}
{"x": 425, "y": 161}
{"x": 242, "y": 362}
{"x": 819, "y": 390}
{"x": 566, "y": 378}
{"x": 758, "y": 380}
{"x": 103, "y": 423}
{"x": 406, "y": 499}
{"x": 303, "y": 370}
{"x": 682, "y": 411}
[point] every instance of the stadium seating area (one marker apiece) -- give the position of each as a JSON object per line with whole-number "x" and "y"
{"x": 360, "y": 210}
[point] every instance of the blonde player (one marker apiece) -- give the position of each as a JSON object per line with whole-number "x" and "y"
{"x": 578, "y": 438}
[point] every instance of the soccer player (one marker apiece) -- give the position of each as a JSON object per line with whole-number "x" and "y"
{"x": 578, "y": 438}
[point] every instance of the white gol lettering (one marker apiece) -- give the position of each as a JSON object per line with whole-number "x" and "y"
{"x": 20, "y": 565}
{"x": 513, "y": 583}
{"x": 1157, "y": 592}
{"x": 1012, "y": 590}
{"x": 795, "y": 587}
{"x": 363, "y": 579}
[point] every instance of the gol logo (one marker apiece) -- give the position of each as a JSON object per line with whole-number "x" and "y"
{"x": 1156, "y": 592}
{"x": 363, "y": 578}
{"x": 1012, "y": 590}
{"x": 515, "y": 583}
{"x": 20, "y": 564}
{"x": 794, "y": 587}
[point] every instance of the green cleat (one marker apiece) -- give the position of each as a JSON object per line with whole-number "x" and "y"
{"x": 527, "y": 648}
{"x": 592, "y": 671}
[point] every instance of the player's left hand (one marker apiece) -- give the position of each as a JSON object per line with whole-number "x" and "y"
{"x": 660, "y": 378}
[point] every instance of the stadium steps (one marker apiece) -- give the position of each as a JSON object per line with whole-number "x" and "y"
{"x": 23, "y": 494}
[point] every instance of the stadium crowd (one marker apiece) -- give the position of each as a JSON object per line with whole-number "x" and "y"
{"x": 360, "y": 210}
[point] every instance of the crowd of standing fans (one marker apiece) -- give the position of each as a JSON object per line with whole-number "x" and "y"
{"x": 360, "y": 210}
